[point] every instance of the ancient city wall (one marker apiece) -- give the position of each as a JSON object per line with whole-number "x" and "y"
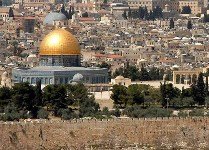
{"x": 161, "y": 133}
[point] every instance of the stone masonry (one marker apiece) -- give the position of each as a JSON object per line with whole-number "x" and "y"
{"x": 157, "y": 133}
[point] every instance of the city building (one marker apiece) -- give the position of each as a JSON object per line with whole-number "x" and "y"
{"x": 151, "y": 4}
{"x": 195, "y": 5}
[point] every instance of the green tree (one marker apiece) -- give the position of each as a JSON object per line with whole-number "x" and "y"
{"x": 189, "y": 24}
{"x": 128, "y": 72}
{"x": 135, "y": 95}
{"x": 67, "y": 114}
{"x": 206, "y": 75}
{"x": 88, "y": 108}
{"x": 141, "y": 12}
{"x": 38, "y": 94}
{"x": 11, "y": 113}
{"x": 124, "y": 15}
{"x": 155, "y": 95}
{"x": 119, "y": 95}
{"x": 151, "y": 15}
{"x": 42, "y": 114}
{"x": 108, "y": 66}
{"x": 157, "y": 12}
{"x": 168, "y": 92}
{"x": 62, "y": 9}
{"x": 85, "y": 15}
{"x": 70, "y": 13}
{"x": 171, "y": 23}
{"x": 155, "y": 74}
{"x": 11, "y": 13}
{"x": 144, "y": 75}
{"x": 131, "y": 72}
{"x": 186, "y": 10}
{"x": 206, "y": 18}
{"x": 22, "y": 96}
{"x": 146, "y": 14}
{"x": 77, "y": 94}
{"x": 37, "y": 101}
{"x": 65, "y": 12}
{"x": 118, "y": 71}
{"x": 116, "y": 112}
{"x": 129, "y": 13}
{"x": 55, "y": 97}
{"x": 198, "y": 90}
{"x": 15, "y": 47}
{"x": 5, "y": 96}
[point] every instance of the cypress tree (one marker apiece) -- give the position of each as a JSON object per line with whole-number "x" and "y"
{"x": 11, "y": 13}
{"x": 141, "y": 13}
{"x": 146, "y": 14}
{"x": 189, "y": 24}
{"x": 206, "y": 82}
{"x": 198, "y": 90}
{"x": 163, "y": 94}
{"x": 38, "y": 92}
{"x": 124, "y": 15}
{"x": 129, "y": 13}
{"x": 171, "y": 23}
{"x": 70, "y": 13}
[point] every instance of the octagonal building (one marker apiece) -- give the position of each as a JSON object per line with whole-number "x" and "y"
{"x": 60, "y": 57}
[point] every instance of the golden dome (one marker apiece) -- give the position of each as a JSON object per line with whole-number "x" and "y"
{"x": 59, "y": 42}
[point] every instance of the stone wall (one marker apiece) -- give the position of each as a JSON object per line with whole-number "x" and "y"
{"x": 161, "y": 133}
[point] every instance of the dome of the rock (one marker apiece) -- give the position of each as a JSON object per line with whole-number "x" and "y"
{"x": 59, "y": 42}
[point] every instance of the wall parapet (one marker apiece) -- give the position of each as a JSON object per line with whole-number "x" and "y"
{"x": 26, "y": 121}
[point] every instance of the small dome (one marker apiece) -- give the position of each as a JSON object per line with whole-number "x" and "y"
{"x": 119, "y": 78}
{"x": 77, "y": 77}
{"x": 54, "y": 16}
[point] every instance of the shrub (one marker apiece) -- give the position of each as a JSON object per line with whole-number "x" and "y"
{"x": 105, "y": 111}
{"x": 11, "y": 114}
{"x": 182, "y": 114}
{"x": 197, "y": 112}
{"x": 67, "y": 114}
{"x": 132, "y": 111}
{"x": 25, "y": 114}
{"x": 157, "y": 112}
{"x": 43, "y": 114}
{"x": 116, "y": 112}
{"x": 138, "y": 112}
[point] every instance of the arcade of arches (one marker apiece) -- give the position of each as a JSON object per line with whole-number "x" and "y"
{"x": 185, "y": 77}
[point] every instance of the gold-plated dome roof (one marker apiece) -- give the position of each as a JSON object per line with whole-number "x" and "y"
{"x": 59, "y": 42}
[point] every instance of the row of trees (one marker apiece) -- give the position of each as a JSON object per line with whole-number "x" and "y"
{"x": 69, "y": 13}
{"x": 166, "y": 96}
{"x": 142, "y": 13}
{"x": 65, "y": 101}
{"x": 172, "y": 24}
{"x": 144, "y": 74}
